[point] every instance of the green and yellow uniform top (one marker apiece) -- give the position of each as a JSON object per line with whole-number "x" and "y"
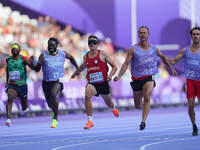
{"x": 16, "y": 71}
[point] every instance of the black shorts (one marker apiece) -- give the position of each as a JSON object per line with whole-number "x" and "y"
{"x": 102, "y": 88}
{"x": 137, "y": 85}
{"x": 47, "y": 85}
{"x": 22, "y": 91}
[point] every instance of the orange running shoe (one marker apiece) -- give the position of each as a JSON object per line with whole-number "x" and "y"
{"x": 89, "y": 125}
{"x": 115, "y": 112}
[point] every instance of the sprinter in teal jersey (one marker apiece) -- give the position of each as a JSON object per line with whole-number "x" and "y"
{"x": 16, "y": 80}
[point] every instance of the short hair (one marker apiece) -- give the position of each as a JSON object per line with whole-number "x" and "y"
{"x": 93, "y": 36}
{"x": 144, "y": 27}
{"x": 54, "y": 39}
{"x": 194, "y": 28}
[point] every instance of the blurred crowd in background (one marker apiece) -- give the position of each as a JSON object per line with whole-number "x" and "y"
{"x": 33, "y": 34}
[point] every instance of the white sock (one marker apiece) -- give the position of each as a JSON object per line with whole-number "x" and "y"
{"x": 90, "y": 118}
{"x": 8, "y": 120}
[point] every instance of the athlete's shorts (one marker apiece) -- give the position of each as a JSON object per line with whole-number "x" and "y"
{"x": 193, "y": 88}
{"x": 22, "y": 91}
{"x": 47, "y": 85}
{"x": 101, "y": 88}
{"x": 137, "y": 85}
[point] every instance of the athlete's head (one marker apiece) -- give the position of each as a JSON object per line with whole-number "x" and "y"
{"x": 15, "y": 49}
{"x": 52, "y": 45}
{"x": 93, "y": 42}
{"x": 143, "y": 33}
{"x": 195, "y": 34}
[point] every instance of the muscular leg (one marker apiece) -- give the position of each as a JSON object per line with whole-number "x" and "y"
{"x": 137, "y": 99}
{"x": 24, "y": 103}
{"x": 191, "y": 111}
{"x": 90, "y": 91}
{"x": 12, "y": 94}
{"x": 55, "y": 89}
{"x": 108, "y": 100}
{"x": 48, "y": 99}
{"x": 147, "y": 91}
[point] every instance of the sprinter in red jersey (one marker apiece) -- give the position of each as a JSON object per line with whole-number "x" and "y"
{"x": 97, "y": 75}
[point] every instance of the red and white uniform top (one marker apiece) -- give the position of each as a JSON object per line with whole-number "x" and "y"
{"x": 97, "y": 69}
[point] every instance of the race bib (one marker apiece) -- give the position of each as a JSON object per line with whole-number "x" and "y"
{"x": 96, "y": 77}
{"x": 14, "y": 75}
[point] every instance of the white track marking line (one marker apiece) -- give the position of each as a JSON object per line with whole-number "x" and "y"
{"x": 167, "y": 141}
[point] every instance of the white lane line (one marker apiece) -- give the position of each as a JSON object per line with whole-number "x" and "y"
{"x": 167, "y": 141}
{"x": 98, "y": 141}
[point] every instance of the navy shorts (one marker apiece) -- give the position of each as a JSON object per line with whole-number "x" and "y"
{"x": 137, "y": 85}
{"x": 102, "y": 88}
{"x": 22, "y": 91}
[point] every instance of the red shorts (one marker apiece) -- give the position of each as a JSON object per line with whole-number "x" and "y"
{"x": 193, "y": 88}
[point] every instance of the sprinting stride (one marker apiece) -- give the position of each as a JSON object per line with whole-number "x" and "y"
{"x": 143, "y": 58}
{"x": 98, "y": 79}
{"x": 16, "y": 80}
{"x": 191, "y": 61}
{"x": 52, "y": 63}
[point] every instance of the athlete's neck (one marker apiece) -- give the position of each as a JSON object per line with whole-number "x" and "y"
{"x": 196, "y": 45}
{"x": 15, "y": 57}
{"x": 144, "y": 44}
{"x": 93, "y": 52}
{"x": 53, "y": 53}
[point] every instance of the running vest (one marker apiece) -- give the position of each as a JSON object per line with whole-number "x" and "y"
{"x": 53, "y": 66}
{"x": 192, "y": 64}
{"x": 16, "y": 71}
{"x": 144, "y": 62}
{"x": 96, "y": 69}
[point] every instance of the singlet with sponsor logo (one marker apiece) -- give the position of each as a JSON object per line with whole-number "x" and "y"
{"x": 191, "y": 64}
{"x": 16, "y": 71}
{"x": 96, "y": 69}
{"x": 144, "y": 62}
{"x": 53, "y": 66}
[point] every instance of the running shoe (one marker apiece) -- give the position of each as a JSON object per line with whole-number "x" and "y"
{"x": 8, "y": 123}
{"x": 115, "y": 112}
{"x": 142, "y": 126}
{"x": 54, "y": 123}
{"x": 89, "y": 125}
{"x": 195, "y": 130}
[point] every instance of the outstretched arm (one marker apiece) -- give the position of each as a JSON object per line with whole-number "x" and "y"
{"x": 71, "y": 58}
{"x": 79, "y": 69}
{"x": 111, "y": 63}
{"x": 178, "y": 57}
{"x": 126, "y": 63}
{"x": 38, "y": 65}
{"x": 29, "y": 62}
{"x": 165, "y": 61}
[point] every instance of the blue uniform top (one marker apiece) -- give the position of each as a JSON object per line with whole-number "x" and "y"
{"x": 144, "y": 62}
{"x": 53, "y": 66}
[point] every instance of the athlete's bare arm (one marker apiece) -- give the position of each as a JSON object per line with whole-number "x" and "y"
{"x": 38, "y": 65}
{"x": 126, "y": 64}
{"x": 71, "y": 58}
{"x": 107, "y": 59}
{"x": 80, "y": 68}
{"x": 165, "y": 61}
{"x": 28, "y": 61}
{"x": 178, "y": 57}
{"x": 7, "y": 74}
